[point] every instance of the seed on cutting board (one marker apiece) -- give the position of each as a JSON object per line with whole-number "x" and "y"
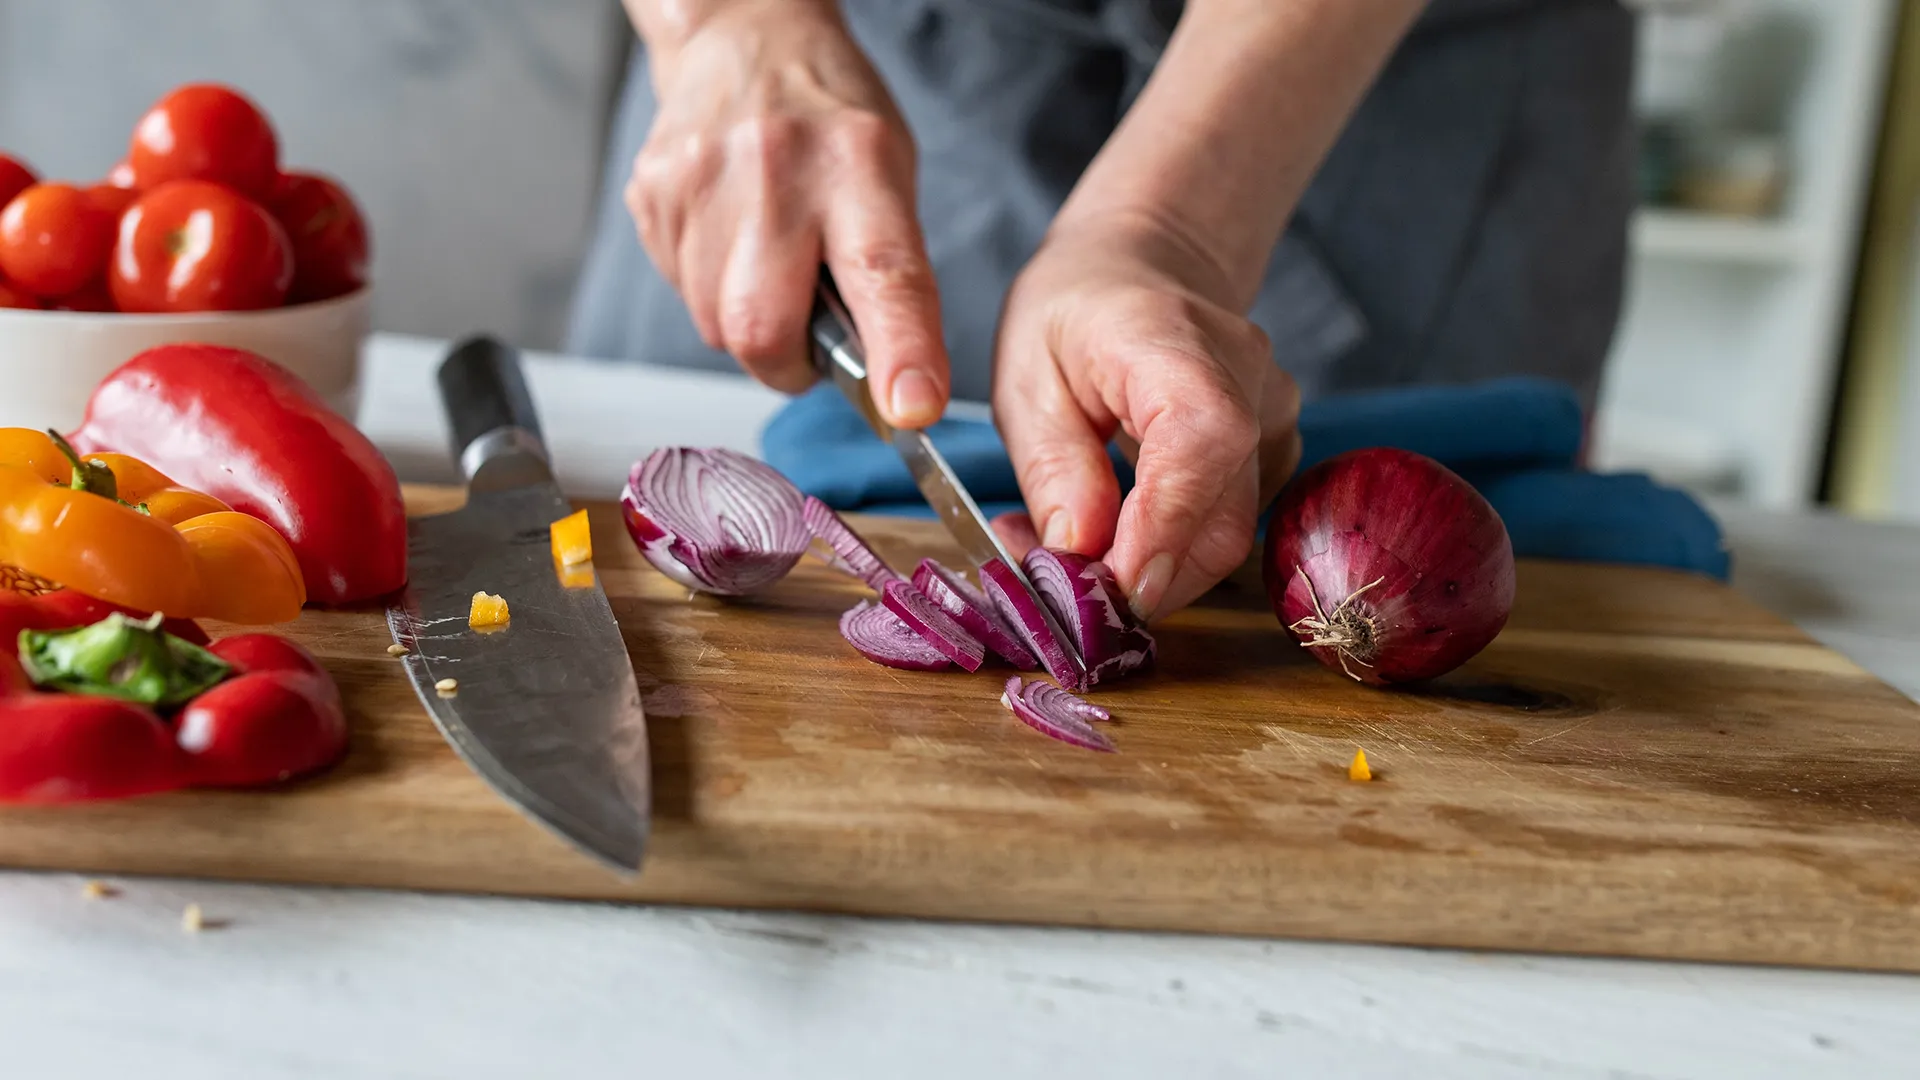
{"x": 192, "y": 920}
{"x": 396, "y": 649}
{"x": 447, "y": 687}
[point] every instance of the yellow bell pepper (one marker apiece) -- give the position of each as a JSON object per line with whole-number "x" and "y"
{"x": 116, "y": 529}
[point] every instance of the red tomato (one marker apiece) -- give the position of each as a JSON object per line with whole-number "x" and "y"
{"x": 11, "y": 297}
{"x": 329, "y": 235}
{"x": 204, "y": 131}
{"x": 15, "y": 178}
{"x": 190, "y": 245}
{"x": 54, "y": 239}
{"x": 120, "y": 176}
{"x": 114, "y": 199}
{"x": 94, "y": 298}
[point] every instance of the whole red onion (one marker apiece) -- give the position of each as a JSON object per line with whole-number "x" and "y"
{"x": 1388, "y": 566}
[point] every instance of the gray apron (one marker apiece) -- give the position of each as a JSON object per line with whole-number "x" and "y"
{"x": 1470, "y": 222}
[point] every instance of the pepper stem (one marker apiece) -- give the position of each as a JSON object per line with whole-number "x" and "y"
{"x": 1347, "y": 631}
{"x": 92, "y": 477}
{"x": 122, "y": 658}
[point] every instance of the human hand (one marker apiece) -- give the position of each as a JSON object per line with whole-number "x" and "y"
{"x": 777, "y": 149}
{"x": 1110, "y": 333}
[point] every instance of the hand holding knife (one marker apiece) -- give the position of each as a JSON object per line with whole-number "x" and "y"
{"x": 838, "y": 355}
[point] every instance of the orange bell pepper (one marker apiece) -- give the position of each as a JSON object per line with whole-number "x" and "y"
{"x": 125, "y": 533}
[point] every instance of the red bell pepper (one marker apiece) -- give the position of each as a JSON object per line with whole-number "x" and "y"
{"x": 242, "y": 429}
{"x": 278, "y": 715}
{"x": 280, "y": 718}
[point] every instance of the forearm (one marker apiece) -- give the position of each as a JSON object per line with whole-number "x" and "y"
{"x": 1246, "y": 103}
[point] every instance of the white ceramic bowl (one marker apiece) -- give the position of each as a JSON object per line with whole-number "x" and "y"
{"x": 50, "y": 361}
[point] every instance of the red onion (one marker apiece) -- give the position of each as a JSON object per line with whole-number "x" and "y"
{"x": 1086, "y": 599}
{"x": 1052, "y": 711}
{"x": 714, "y": 520}
{"x": 1022, "y": 612}
{"x": 850, "y": 552}
{"x": 1388, "y": 566}
{"x": 919, "y": 613}
{"x": 882, "y": 638}
{"x": 969, "y": 607}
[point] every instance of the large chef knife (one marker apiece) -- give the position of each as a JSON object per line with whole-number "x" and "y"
{"x": 546, "y": 710}
{"x": 838, "y": 354}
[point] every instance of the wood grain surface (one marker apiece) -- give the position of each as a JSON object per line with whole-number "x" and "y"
{"x": 1643, "y": 764}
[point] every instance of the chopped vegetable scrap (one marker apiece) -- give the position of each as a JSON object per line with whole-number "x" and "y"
{"x": 716, "y": 521}
{"x": 192, "y": 919}
{"x": 98, "y": 890}
{"x": 572, "y": 539}
{"x": 1054, "y": 712}
{"x": 488, "y": 612}
{"x": 1359, "y": 769}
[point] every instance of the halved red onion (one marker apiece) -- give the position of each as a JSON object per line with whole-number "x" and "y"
{"x": 1086, "y": 599}
{"x": 940, "y": 631}
{"x": 1052, "y": 711}
{"x": 882, "y": 638}
{"x": 956, "y": 596}
{"x": 714, "y": 520}
{"x": 1022, "y": 612}
{"x": 850, "y": 552}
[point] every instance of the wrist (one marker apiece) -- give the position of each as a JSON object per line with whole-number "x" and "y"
{"x": 1160, "y": 237}
{"x": 666, "y": 27}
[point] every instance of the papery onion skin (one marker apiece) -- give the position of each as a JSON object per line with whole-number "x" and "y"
{"x": 1055, "y": 713}
{"x": 1022, "y": 612}
{"x": 970, "y": 607}
{"x": 935, "y": 626}
{"x": 714, "y": 520}
{"x": 1086, "y": 600}
{"x": 880, "y": 636}
{"x": 1388, "y": 566}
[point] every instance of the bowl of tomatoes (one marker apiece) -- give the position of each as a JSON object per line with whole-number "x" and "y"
{"x": 198, "y": 235}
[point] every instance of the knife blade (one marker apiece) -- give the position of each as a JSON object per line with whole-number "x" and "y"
{"x": 546, "y": 710}
{"x": 838, "y": 355}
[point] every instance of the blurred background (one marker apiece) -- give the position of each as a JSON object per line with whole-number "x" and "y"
{"x": 1769, "y": 354}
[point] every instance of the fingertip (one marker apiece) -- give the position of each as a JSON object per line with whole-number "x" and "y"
{"x": 915, "y": 400}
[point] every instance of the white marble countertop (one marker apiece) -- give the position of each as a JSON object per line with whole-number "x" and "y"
{"x": 354, "y": 983}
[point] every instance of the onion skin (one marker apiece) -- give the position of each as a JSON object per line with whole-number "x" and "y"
{"x": 1087, "y": 602}
{"x": 880, "y": 636}
{"x": 970, "y": 608}
{"x": 1055, "y": 713}
{"x": 1388, "y": 566}
{"x": 716, "y": 521}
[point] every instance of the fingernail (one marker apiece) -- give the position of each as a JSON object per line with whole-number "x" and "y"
{"x": 1151, "y": 585}
{"x": 1059, "y": 535}
{"x": 916, "y": 399}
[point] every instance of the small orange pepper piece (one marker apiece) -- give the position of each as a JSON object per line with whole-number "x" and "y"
{"x": 1359, "y": 770}
{"x": 488, "y": 612}
{"x": 572, "y": 539}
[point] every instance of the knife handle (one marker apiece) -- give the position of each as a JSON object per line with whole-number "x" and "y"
{"x": 489, "y": 410}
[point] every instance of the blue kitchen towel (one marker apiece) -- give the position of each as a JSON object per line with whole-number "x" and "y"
{"x": 1517, "y": 440}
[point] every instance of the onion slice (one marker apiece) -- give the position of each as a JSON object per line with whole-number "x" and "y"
{"x": 850, "y": 552}
{"x": 715, "y": 520}
{"x": 912, "y": 607}
{"x": 1054, "y": 712}
{"x": 881, "y": 637}
{"x": 969, "y": 607}
{"x": 1086, "y": 600}
{"x": 1022, "y": 612}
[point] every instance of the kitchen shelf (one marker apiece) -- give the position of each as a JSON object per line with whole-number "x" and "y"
{"x": 1681, "y": 234}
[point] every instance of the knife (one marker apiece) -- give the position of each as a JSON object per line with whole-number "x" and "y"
{"x": 838, "y": 355}
{"x": 546, "y": 710}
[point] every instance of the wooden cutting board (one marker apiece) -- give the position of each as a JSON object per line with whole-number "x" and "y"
{"x": 1643, "y": 764}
